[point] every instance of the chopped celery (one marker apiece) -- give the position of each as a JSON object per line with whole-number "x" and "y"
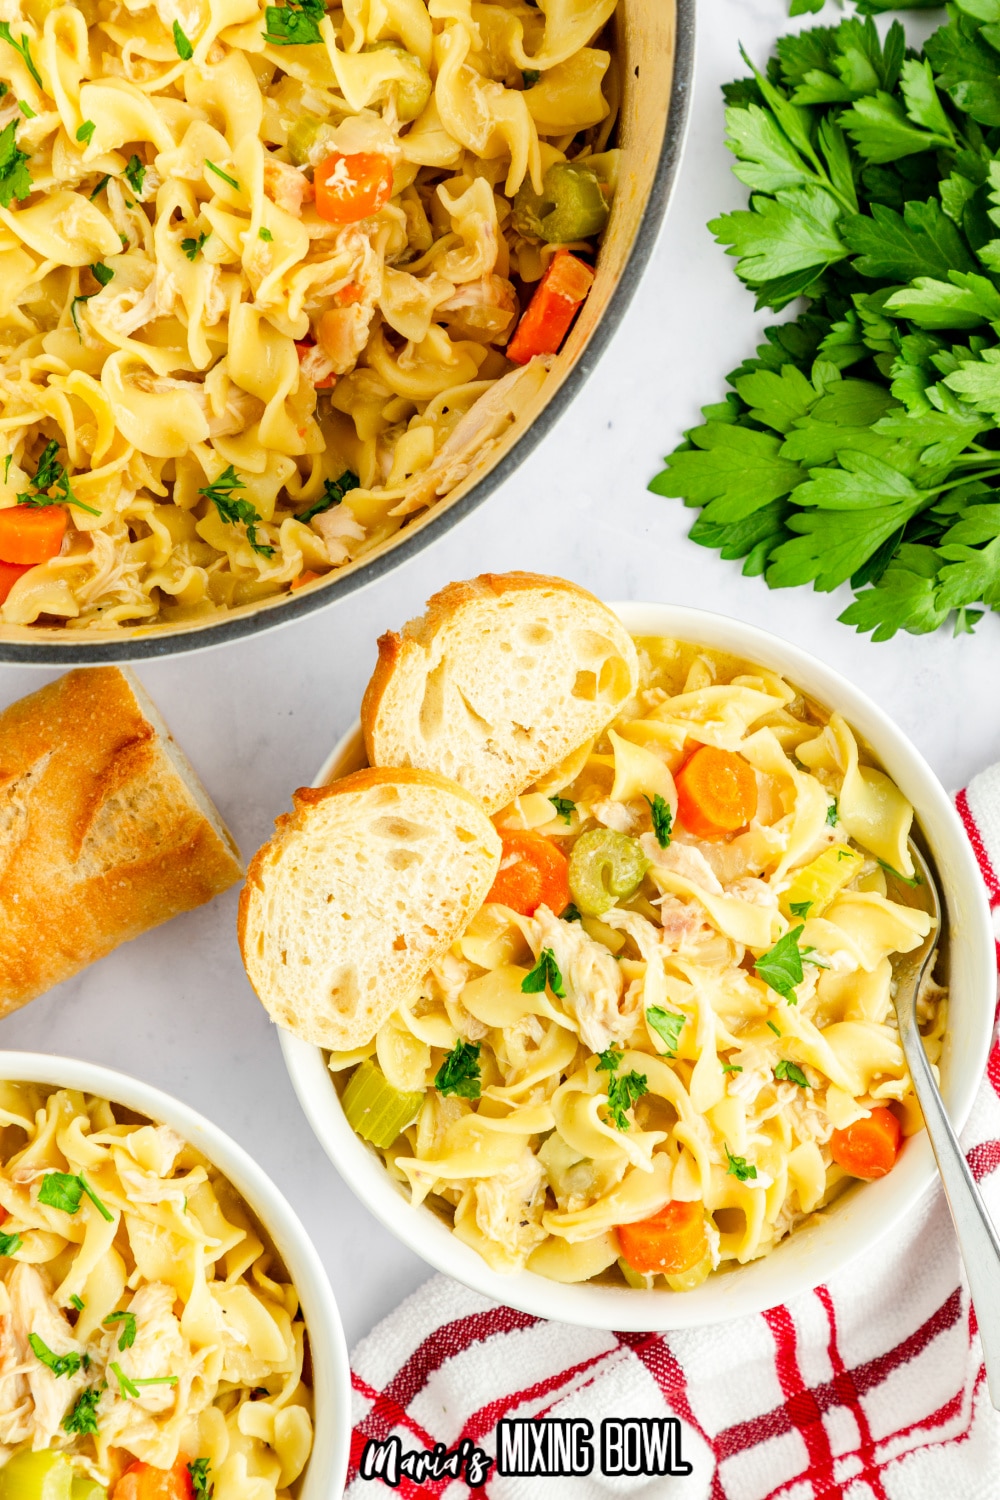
{"x": 571, "y": 206}
{"x": 814, "y": 886}
{"x": 376, "y": 1110}
{"x": 309, "y": 139}
{"x": 634, "y": 1278}
{"x": 87, "y": 1489}
{"x": 686, "y": 1281}
{"x": 36, "y": 1476}
{"x": 413, "y": 87}
{"x": 603, "y": 867}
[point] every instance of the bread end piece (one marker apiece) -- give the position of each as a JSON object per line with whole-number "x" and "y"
{"x": 363, "y": 887}
{"x": 498, "y": 682}
{"x": 105, "y": 830}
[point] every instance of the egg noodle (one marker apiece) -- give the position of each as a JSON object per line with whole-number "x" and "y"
{"x": 700, "y": 1040}
{"x": 142, "y": 1316}
{"x": 215, "y": 362}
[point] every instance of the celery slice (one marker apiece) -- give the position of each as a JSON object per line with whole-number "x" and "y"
{"x": 686, "y": 1281}
{"x": 571, "y": 206}
{"x": 87, "y": 1489}
{"x": 603, "y": 867}
{"x": 36, "y": 1476}
{"x": 816, "y": 884}
{"x": 634, "y": 1278}
{"x": 375, "y": 1110}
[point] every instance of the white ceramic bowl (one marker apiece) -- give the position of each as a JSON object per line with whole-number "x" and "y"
{"x": 863, "y": 1215}
{"x": 327, "y": 1467}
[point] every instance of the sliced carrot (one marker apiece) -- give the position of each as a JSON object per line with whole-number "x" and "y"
{"x": 307, "y": 577}
{"x": 552, "y": 308}
{"x": 349, "y": 294}
{"x": 533, "y": 873}
{"x": 870, "y": 1146}
{"x": 9, "y": 574}
{"x": 669, "y": 1242}
{"x": 349, "y": 188}
{"x": 311, "y": 360}
{"x": 31, "y": 533}
{"x": 716, "y": 792}
{"x": 144, "y": 1482}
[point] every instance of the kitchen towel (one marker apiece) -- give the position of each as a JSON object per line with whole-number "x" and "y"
{"x": 868, "y": 1388}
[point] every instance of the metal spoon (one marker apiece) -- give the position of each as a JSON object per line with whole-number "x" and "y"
{"x": 977, "y": 1238}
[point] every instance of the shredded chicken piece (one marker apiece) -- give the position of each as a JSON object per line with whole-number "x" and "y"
{"x": 286, "y": 186}
{"x": 16, "y": 1406}
{"x": 613, "y": 815}
{"x": 509, "y": 1207}
{"x": 336, "y": 526}
{"x": 688, "y": 861}
{"x": 592, "y": 979}
{"x": 33, "y": 1311}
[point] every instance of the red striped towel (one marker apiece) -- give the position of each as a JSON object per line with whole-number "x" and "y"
{"x": 869, "y": 1388}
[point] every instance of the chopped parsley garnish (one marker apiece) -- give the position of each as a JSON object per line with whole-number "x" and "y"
{"x": 63, "y": 1190}
{"x": 191, "y": 247}
{"x": 6, "y": 467}
{"x": 100, "y": 186}
{"x": 24, "y": 48}
{"x": 530, "y": 77}
{"x": 832, "y": 815}
{"x": 185, "y": 51}
{"x": 667, "y": 1026}
{"x": 572, "y": 913}
{"x": 15, "y": 179}
{"x": 545, "y": 972}
{"x": 26, "y": 109}
{"x": 731, "y": 1068}
{"x": 126, "y": 1386}
{"x": 911, "y": 880}
{"x": 663, "y": 819}
{"x": 59, "y": 1364}
{"x": 10, "y": 1244}
{"x": 220, "y": 173}
{"x": 738, "y": 1166}
{"x": 236, "y": 512}
{"x": 775, "y": 1029}
{"x": 607, "y": 1062}
{"x": 4, "y": 90}
{"x": 157, "y": 1380}
{"x": 789, "y": 1072}
{"x": 459, "y": 1073}
{"x": 101, "y": 273}
{"x": 295, "y": 24}
{"x": 126, "y": 1334}
{"x": 334, "y": 491}
{"x": 135, "y": 174}
{"x": 77, "y": 1302}
{"x": 262, "y": 234}
{"x": 50, "y": 474}
{"x": 624, "y": 1089}
{"x": 83, "y": 1418}
{"x": 85, "y": 132}
{"x": 199, "y": 1471}
{"x": 781, "y": 967}
{"x": 800, "y": 908}
{"x": 75, "y": 315}
{"x": 564, "y": 807}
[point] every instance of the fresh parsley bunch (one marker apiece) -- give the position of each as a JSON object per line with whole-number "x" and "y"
{"x": 861, "y": 442}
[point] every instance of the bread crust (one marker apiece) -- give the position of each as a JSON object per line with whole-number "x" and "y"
{"x": 101, "y": 835}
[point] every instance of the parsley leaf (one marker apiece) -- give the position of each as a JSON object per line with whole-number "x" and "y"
{"x": 59, "y": 1364}
{"x": 334, "y": 491}
{"x": 662, "y": 819}
{"x": 737, "y": 1166}
{"x": 624, "y": 1090}
{"x": 77, "y": 1302}
{"x": 564, "y": 808}
{"x": 191, "y": 247}
{"x": 459, "y": 1073}
{"x": 65, "y": 1191}
{"x": 24, "y": 48}
{"x": 774, "y": 1028}
{"x": 529, "y": 77}
{"x": 83, "y": 1417}
{"x": 572, "y": 913}
{"x": 99, "y": 189}
{"x": 126, "y": 1387}
{"x": 135, "y": 174}
{"x": 49, "y": 475}
{"x": 791, "y": 1073}
{"x": 26, "y": 109}
{"x": 545, "y": 972}
{"x": 800, "y": 908}
{"x": 607, "y": 1061}
{"x": 101, "y": 273}
{"x": 832, "y": 815}
{"x": 10, "y": 1244}
{"x": 667, "y": 1026}
{"x": 85, "y": 132}
{"x": 236, "y": 512}
{"x": 15, "y": 179}
{"x": 294, "y": 24}
{"x": 185, "y": 51}
{"x": 220, "y": 173}
{"x": 263, "y": 234}
{"x": 126, "y": 1334}
{"x": 910, "y": 880}
{"x": 199, "y": 1471}
{"x": 731, "y": 1068}
{"x": 781, "y": 967}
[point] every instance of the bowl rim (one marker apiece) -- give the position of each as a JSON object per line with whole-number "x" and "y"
{"x": 887, "y": 1203}
{"x": 162, "y": 641}
{"x": 331, "y": 1369}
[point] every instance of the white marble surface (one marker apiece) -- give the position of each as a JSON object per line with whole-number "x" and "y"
{"x": 257, "y": 719}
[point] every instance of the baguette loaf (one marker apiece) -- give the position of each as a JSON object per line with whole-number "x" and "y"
{"x": 498, "y": 682}
{"x": 362, "y": 888}
{"x": 105, "y": 830}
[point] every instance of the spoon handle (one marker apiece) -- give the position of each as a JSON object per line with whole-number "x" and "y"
{"x": 977, "y": 1238}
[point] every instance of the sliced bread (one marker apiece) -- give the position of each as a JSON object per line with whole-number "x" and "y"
{"x": 362, "y": 888}
{"x": 498, "y": 682}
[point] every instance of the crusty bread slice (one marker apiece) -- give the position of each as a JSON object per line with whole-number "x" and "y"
{"x": 364, "y": 886}
{"x": 498, "y": 682}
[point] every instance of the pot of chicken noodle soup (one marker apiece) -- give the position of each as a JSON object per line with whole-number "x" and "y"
{"x": 286, "y": 292}
{"x": 657, "y": 1082}
{"x": 167, "y": 1331}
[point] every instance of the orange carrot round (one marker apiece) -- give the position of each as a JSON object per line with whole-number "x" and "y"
{"x": 349, "y": 188}
{"x": 303, "y": 578}
{"x": 869, "y": 1147}
{"x": 31, "y": 533}
{"x": 668, "y": 1243}
{"x": 716, "y": 793}
{"x": 552, "y": 308}
{"x": 532, "y": 873}
{"x": 144, "y": 1482}
{"x": 9, "y": 574}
